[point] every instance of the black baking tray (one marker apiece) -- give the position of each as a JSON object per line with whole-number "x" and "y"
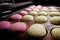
{"x": 6, "y": 34}
{"x": 13, "y": 10}
{"x": 14, "y": 35}
{"x": 7, "y": 16}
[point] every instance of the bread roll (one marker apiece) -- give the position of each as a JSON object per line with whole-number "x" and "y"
{"x": 52, "y": 7}
{"x": 5, "y": 25}
{"x": 28, "y": 18}
{"x": 41, "y": 19}
{"x": 18, "y": 26}
{"x": 23, "y": 13}
{"x": 16, "y": 17}
{"x": 36, "y": 30}
{"x": 43, "y": 13}
{"x": 35, "y": 9}
{"x": 28, "y": 9}
{"x": 33, "y": 13}
{"x": 54, "y": 14}
{"x": 55, "y": 20}
{"x": 53, "y": 10}
{"x": 56, "y": 33}
{"x": 44, "y": 8}
{"x": 39, "y": 6}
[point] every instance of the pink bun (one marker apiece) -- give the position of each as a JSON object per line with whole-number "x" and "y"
{"x": 39, "y": 7}
{"x": 36, "y": 9}
{"x": 19, "y": 26}
{"x": 45, "y": 7}
{"x": 51, "y": 7}
{"x": 32, "y": 6}
{"x": 28, "y": 9}
{"x": 16, "y": 17}
{"x": 23, "y": 13}
{"x": 5, "y": 25}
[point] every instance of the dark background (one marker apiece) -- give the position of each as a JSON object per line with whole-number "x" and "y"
{"x": 16, "y": 1}
{"x": 47, "y": 2}
{"x": 42, "y": 2}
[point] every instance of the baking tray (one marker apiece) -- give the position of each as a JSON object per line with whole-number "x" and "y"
{"x": 23, "y": 36}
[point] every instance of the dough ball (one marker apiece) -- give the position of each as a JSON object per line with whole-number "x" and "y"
{"x": 28, "y": 18}
{"x": 55, "y": 20}
{"x": 52, "y": 7}
{"x": 56, "y": 33}
{"x": 23, "y": 13}
{"x": 36, "y": 30}
{"x": 39, "y": 6}
{"x": 16, "y": 17}
{"x": 35, "y": 9}
{"x": 43, "y": 13}
{"x": 53, "y": 10}
{"x": 28, "y": 9}
{"x": 54, "y": 14}
{"x": 44, "y": 9}
{"x": 5, "y": 25}
{"x": 41, "y": 19}
{"x": 18, "y": 26}
{"x": 32, "y": 6}
{"x": 33, "y": 13}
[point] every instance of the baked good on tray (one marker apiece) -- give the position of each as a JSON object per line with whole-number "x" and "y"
{"x": 37, "y": 31}
{"x": 32, "y": 6}
{"x": 42, "y": 13}
{"x": 28, "y": 9}
{"x": 35, "y": 9}
{"x": 18, "y": 26}
{"x": 55, "y": 20}
{"x": 34, "y": 13}
{"x": 53, "y": 13}
{"x": 33, "y": 22}
{"x": 28, "y": 18}
{"x": 55, "y": 33}
{"x": 23, "y": 12}
{"x": 44, "y": 8}
{"x": 53, "y": 10}
{"x": 41, "y": 19}
{"x": 39, "y": 7}
{"x": 5, "y": 25}
{"x": 16, "y": 17}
